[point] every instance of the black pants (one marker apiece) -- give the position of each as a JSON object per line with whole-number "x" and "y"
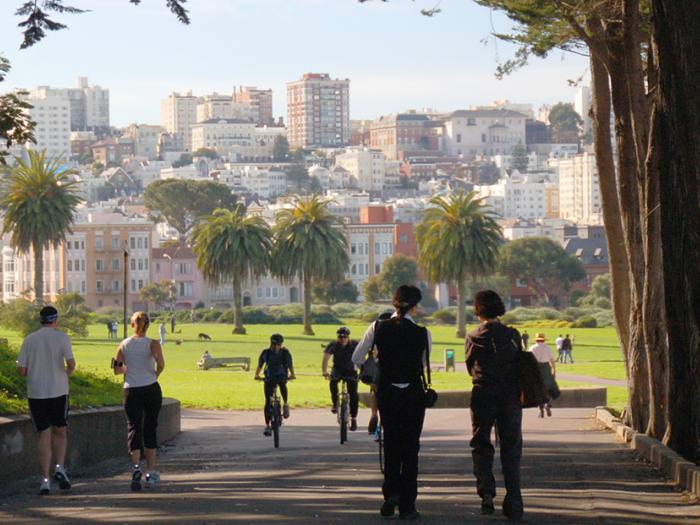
{"x": 402, "y": 411}
{"x": 269, "y": 388}
{"x": 485, "y": 411}
{"x": 142, "y": 405}
{"x": 351, "y": 381}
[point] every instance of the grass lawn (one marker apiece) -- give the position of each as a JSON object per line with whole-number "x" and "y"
{"x": 596, "y": 354}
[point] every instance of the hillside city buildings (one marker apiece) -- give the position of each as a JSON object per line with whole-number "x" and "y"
{"x": 378, "y": 173}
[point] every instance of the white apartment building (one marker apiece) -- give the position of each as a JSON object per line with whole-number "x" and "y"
{"x": 318, "y": 111}
{"x": 409, "y": 209}
{"x": 18, "y": 272}
{"x": 473, "y": 132}
{"x": 262, "y": 181}
{"x": 366, "y": 165}
{"x": 582, "y": 104}
{"x": 369, "y": 246}
{"x": 217, "y": 106}
{"x": 579, "y": 189}
{"x": 514, "y": 229}
{"x": 517, "y": 196}
{"x": 183, "y": 172}
{"x": 267, "y": 291}
{"x": 96, "y": 105}
{"x": 322, "y": 174}
{"x": 51, "y": 112}
{"x": 346, "y": 204}
{"x": 146, "y": 138}
{"x": 236, "y": 139}
{"x": 178, "y": 115}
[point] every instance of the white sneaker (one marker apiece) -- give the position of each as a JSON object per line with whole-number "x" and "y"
{"x": 151, "y": 479}
{"x": 62, "y": 478}
{"x": 45, "y": 488}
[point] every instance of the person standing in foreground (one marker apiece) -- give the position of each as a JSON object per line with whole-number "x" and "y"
{"x": 402, "y": 348}
{"x": 141, "y": 361}
{"x": 545, "y": 359}
{"x": 343, "y": 369}
{"x": 492, "y": 361}
{"x": 46, "y": 360}
{"x": 279, "y": 368}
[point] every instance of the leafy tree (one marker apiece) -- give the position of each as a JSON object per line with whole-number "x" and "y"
{"x": 15, "y": 125}
{"x": 22, "y": 316}
{"x": 39, "y": 200}
{"x": 373, "y": 290}
{"x": 74, "y": 316}
{"x": 280, "y": 149}
{"x": 542, "y": 263}
{"x": 565, "y": 123}
{"x": 182, "y": 202}
{"x": 161, "y": 294}
{"x": 309, "y": 245}
{"x": 518, "y": 158}
{"x": 397, "y": 270}
{"x": 298, "y": 174}
{"x": 185, "y": 160}
{"x": 231, "y": 246}
{"x": 458, "y": 238}
{"x": 332, "y": 292}
{"x": 206, "y": 152}
{"x": 600, "y": 291}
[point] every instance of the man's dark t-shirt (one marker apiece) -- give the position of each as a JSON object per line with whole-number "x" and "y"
{"x": 277, "y": 364}
{"x": 342, "y": 358}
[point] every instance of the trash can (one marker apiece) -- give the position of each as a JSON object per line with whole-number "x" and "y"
{"x": 449, "y": 359}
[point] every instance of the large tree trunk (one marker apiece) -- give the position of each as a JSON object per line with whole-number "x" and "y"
{"x": 637, "y": 415}
{"x": 615, "y": 237}
{"x": 676, "y": 148}
{"x": 38, "y": 274}
{"x": 653, "y": 320}
{"x": 238, "y": 327}
{"x": 461, "y": 301}
{"x": 307, "y": 304}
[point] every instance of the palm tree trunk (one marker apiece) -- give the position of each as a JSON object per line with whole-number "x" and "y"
{"x": 461, "y": 317}
{"x": 307, "y": 304}
{"x": 38, "y": 274}
{"x": 238, "y": 327}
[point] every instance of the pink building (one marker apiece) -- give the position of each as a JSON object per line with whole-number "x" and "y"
{"x": 178, "y": 264}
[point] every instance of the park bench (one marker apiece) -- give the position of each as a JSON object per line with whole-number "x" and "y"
{"x": 207, "y": 362}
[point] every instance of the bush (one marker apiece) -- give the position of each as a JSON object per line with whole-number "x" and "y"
{"x": 226, "y": 316}
{"x": 360, "y": 311}
{"x": 585, "y": 321}
{"x": 210, "y": 316}
{"x": 287, "y": 313}
{"x": 602, "y": 303}
{"x": 445, "y": 315}
{"x": 255, "y": 315}
{"x": 604, "y": 318}
{"x": 576, "y": 296}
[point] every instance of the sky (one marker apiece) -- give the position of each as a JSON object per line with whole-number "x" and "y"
{"x": 395, "y": 58}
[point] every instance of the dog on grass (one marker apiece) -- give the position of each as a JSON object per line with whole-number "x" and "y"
{"x": 203, "y": 337}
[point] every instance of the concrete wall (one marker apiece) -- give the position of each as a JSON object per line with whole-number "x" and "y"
{"x": 570, "y": 398}
{"x": 93, "y": 435}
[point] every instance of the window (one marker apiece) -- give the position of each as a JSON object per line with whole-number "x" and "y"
{"x": 98, "y": 287}
{"x": 139, "y": 243}
{"x": 115, "y": 243}
{"x": 366, "y": 269}
{"x": 70, "y": 265}
{"x": 140, "y": 283}
{"x": 377, "y": 268}
{"x": 268, "y": 292}
{"x": 459, "y": 137}
{"x": 68, "y": 244}
{"x": 353, "y": 249}
{"x": 184, "y": 289}
{"x": 115, "y": 265}
{"x": 258, "y": 293}
{"x": 377, "y": 248}
{"x": 82, "y": 265}
{"x": 274, "y": 292}
{"x": 133, "y": 285}
{"x": 98, "y": 243}
{"x": 483, "y": 137}
{"x": 366, "y": 248}
{"x": 157, "y": 267}
{"x": 354, "y": 269}
{"x": 132, "y": 243}
{"x": 82, "y": 286}
{"x": 184, "y": 268}
{"x": 471, "y": 122}
{"x": 115, "y": 286}
{"x": 140, "y": 264}
{"x": 82, "y": 245}
{"x": 145, "y": 243}
{"x": 99, "y": 265}
{"x": 133, "y": 264}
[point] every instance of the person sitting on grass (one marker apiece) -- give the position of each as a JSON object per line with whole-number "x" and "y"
{"x": 278, "y": 369}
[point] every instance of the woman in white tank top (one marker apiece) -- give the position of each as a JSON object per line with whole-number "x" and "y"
{"x": 141, "y": 361}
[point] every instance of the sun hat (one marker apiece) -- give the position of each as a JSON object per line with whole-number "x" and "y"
{"x": 540, "y": 337}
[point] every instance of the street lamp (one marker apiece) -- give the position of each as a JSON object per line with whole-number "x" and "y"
{"x": 173, "y": 290}
{"x": 126, "y": 275}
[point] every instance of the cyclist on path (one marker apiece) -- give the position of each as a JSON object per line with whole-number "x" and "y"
{"x": 278, "y": 369}
{"x": 343, "y": 369}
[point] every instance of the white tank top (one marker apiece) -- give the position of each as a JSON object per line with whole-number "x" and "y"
{"x": 140, "y": 365}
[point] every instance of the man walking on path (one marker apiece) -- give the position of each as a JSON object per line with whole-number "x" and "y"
{"x": 567, "y": 349}
{"x": 559, "y": 341}
{"x": 46, "y": 359}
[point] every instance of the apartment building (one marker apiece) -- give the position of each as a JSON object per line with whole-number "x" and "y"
{"x": 518, "y": 196}
{"x": 579, "y": 189}
{"x": 258, "y": 100}
{"x": 403, "y": 133}
{"x": 94, "y": 259}
{"x": 145, "y": 138}
{"x": 112, "y": 150}
{"x": 51, "y": 110}
{"x": 178, "y": 264}
{"x": 318, "y": 111}
{"x": 366, "y": 165}
{"x": 178, "y": 115}
{"x": 474, "y": 132}
{"x": 18, "y": 272}
{"x": 236, "y": 139}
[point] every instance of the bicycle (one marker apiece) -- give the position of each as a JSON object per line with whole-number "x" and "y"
{"x": 275, "y": 414}
{"x": 380, "y": 442}
{"x": 343, "y": 412}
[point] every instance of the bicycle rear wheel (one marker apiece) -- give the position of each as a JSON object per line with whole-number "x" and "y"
{"x": 276, "y": 418}
{"x": 380, "y": 442}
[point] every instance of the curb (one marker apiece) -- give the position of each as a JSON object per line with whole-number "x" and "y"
{"x": 684, "y": 474}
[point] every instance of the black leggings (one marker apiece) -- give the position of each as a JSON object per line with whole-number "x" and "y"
{"x": 142, "y": 405}
{"x": 269, "y": 388}
{"x": 352, "y": 392}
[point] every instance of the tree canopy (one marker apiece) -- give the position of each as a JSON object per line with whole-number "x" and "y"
{"x": 565, "y": 123}
{"x": 161, "y": 294}
{"x": 182, "y": 202}
{"x": 332, "y": 292}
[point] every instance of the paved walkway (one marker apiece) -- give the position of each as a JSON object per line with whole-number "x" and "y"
{"x": 222, "y": 470}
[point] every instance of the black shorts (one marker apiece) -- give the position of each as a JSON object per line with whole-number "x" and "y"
{"x": 51, "y": 412}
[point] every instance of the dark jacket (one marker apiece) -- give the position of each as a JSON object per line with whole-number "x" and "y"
{"x": 491, "y": 353}
{"x": 400, "y": 344}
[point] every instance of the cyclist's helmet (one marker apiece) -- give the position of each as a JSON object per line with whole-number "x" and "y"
{"x": 343, "y": 331}
{"x": 276, "y": 339}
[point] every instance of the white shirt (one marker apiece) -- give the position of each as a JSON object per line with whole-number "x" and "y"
{"x": 367, "y": 341}
{"x": 542, "y": 352}
{"x": 559, "y": 341}
{"x": 140, "y": 364}
{"x": 43, "y": 354}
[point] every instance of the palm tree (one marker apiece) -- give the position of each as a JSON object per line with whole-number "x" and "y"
{"x": 458, "y": 238}
{"x": 232, "y": 246}
{"x": 39, "y": 200}
{"x": 309, "y": 244}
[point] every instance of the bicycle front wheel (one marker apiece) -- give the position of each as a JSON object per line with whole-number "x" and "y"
{"x": 276, "y": 419}
{"x": 344, "y": 422}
